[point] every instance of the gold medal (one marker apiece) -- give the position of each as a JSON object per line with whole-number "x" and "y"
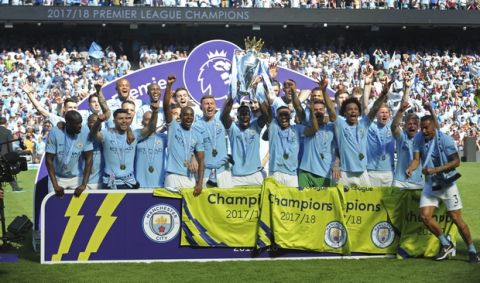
{"x": 285, "y": 156}
{"x": 123, "y": 167}
{"x": 151, "y": 169}
{"x": 214, "y": 152}
{"x": 361, "y": 156}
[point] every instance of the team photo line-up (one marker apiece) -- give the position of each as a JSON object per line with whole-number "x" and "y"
{"x": 299, "y": 140}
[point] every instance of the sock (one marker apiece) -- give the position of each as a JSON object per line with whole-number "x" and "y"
{"x": 471, "y": 249}
{"x": 443, "y": 240}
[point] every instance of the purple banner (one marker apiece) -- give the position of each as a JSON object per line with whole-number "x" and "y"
{"x": 128, "y": 225}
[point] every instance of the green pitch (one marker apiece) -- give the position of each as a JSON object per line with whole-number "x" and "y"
{"x": 28, "y": 269}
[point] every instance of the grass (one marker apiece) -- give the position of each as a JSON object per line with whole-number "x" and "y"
{"x": 366, "y": 270}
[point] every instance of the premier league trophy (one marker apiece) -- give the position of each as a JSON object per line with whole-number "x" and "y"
{"x": 247, "y": 66}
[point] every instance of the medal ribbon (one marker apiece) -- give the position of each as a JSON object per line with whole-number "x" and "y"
{"x": 67, "y": 155}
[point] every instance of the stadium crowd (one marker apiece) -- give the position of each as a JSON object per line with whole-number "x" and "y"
{"x": 448, "y": 80}
{"x": 304, "y": 4}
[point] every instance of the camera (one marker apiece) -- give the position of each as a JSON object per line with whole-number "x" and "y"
{"x": 10, "y": 165}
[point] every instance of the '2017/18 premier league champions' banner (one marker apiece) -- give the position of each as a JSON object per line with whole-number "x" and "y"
{"x": 205, "y": 71}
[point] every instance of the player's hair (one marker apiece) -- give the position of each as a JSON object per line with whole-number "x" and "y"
{"x": 68, "y": 100}
{"x": 73, "y": 117}
{"x": 427, "y": 118}
{"x": 348, "y": 101}
{"x": 119, "y": 111}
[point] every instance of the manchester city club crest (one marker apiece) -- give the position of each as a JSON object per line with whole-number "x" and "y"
{"x": 383, "y": 234}
{"x": 161, "y": 223}
{"x": 335, "y": 234}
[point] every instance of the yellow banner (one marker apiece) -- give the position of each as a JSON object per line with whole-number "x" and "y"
{"x": 309, "y": 219}
{"x": 367, "y": 216}
{"x": 220, "y": 217}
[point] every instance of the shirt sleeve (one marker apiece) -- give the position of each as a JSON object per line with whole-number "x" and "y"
{"x": 417, "y": 142}
{"x": 51, "y": 142}
{"x": 199, "y": 146}
{"x": 450, "y": 146}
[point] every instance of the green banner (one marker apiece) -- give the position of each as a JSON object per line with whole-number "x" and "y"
{"x": 367, "y": 217}
{"x": 220, "y": 217}
{"x": 309, "y": 219}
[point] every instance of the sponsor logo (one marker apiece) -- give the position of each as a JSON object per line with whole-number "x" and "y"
{"x": 161, "y": 223}
{"x": 335, "y": 234}
{"x": 383, "y": 234}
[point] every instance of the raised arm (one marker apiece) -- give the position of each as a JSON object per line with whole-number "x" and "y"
{"x": 332, "y": 114}
{"x": 166, "y": 99}
{"x": 398, "y": 118}
{"x": 297, "y": 105}
{"x": 367, "y": 89}
{"x": 103, "y": 102}
{"x": 380, "y": 100}
{"x": 152, "y": 124}
{"x": 95, "y": 133}
{"x": 310, "y": 131}
{"x": 28, "y": 89}
{"x": 225, "y": 116}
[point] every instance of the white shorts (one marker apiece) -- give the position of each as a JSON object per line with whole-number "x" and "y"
{"x": 175, "y": 182}
{"x": 224, "y": 180}
{"x": 354, "y": 178}
{"x": 286, "y": 179}
{"x": 94, "y": 186}
{"x": 255, "y": 179}
{"x": 406, "y": 185}
{"x": 67, "y": 183}
{"x": 448, "y": 194}
{"x": 380, "y": 178}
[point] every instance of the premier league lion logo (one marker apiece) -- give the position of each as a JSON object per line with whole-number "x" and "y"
{"x": 215, "y": 72}
{"x": 207, "y": 70}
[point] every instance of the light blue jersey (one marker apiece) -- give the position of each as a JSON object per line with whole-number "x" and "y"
{"x": 319, "y": 152}
{"x": 181, "y": 144}
{"x": 380, "y": 147}
{"x": 284, "y": 148}
{"x": 245, "y": 145}
{"x": 118, "y": 154}
{"x": 150, "y": 160}
{"x": 404, "y": 158}
{"x": 435, "y": 152}
{"x": 352, "y": 144}
{"x": 98, "y": 164}
{"x": 68, "y": 151}
{"x": 215, "y": 144}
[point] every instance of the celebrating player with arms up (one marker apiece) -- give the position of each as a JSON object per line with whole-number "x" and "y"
{"x": 183, "y": 143}
{"x": 245, "y": 143}
{"x": 119, "y": 151}
{"x": 317, "y": 168}
{"x": 351, "y": 133}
